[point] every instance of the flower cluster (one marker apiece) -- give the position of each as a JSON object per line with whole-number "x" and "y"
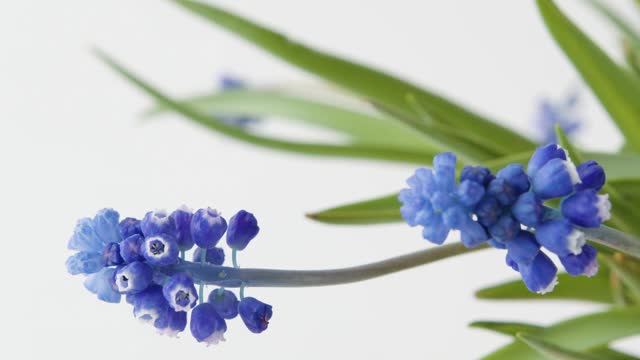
{"x": 135, "y": 258}
{"x": 508, "y": 211}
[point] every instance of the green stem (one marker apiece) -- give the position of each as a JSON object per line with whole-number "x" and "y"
{"x": 614, "y": 239}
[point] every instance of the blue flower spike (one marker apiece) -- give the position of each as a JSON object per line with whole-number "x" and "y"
{"x": 508, "y": 211}
{"x": 243, "y": 227}
{"x": 255, "y": 314}
{"x": 207, "y": 325}
{"x": 180, "y": 292}
{"x": 146, "y": 268}
{"x": 207, "y": 227}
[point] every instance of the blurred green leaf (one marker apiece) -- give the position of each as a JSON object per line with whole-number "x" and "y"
{"x": 506, "y": 328}
{"x": 595, "y": 289}
{"x": 578, "y": 334}
{"x": 617, "y": 92}
{"x": 631, "y": 281}
{"x": 622, "y": 25}
{"x": 371, "y": 84}
{"x": 354, "y": 150}
{"x": 360, "y": 127}
{"x": 381, "y": 210}
{"x": 552, "y": 351}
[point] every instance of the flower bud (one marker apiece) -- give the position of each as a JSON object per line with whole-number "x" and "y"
{"x": 470, "y": 192}
{"x": 207, "y": 227}
{"x": 523, "y": 248}
{"x": 543, "y": 155}
{"x": 225, "y": 302}
{"x": 206, "y": 325}
{"x": 101, "y": 284}
{"x": 181, "y": 219}
{"x": 243, "y": 227}
{"x": 505, "y": 229}
{"x": 560, "y": 237}
{"x": 540, "y": 275}
{"x": 255, "y": 314}
{"x": 592, "y": 176}
{"x": 173, "y": 323}
{"x": 528, "y": 209}
{"x": 586, "y": 263}
{"x": 129, "y": 226}
{"x": 156, "y": 223}
{"x": 444, "y": 166}
{"x": 105, "y": 225}
{"x": 478, "y": 174}
{"x": 85, "y": 263}
{"x": 555, "y": 179}
{"x": 213, "y": 256}
{"x": 130, "y": 248}
{"x": 587, "y": 208}
{"x": 111, "y": 255}
{"x": 515, "y": 176}
{"x": 150, "y": 306}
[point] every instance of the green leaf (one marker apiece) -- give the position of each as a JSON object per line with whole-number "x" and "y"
{"x": 578, "y": 334}
{"x": 617, "y": 92}
{"x": 359, "y": 127}
{"x": 381, "y": 210}
{"x": 354, "y": 150}
{"x": 507, "y": 328}
{"x": 552, "y": 351}
{"x": 595, "y": 289}
{"x": 631, "y": 281}
{"x": 371, "y": 84}
{"x": 622, "y": 25}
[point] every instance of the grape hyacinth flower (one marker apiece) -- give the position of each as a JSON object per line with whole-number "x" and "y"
{"x": 139, "y": 259}
{"x": 229, "y": 82}
{"x": 564, "y": 114}
{"x": 507, "y": 211}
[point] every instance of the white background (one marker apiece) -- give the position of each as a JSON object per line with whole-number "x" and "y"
{"x": 71, "y": 142}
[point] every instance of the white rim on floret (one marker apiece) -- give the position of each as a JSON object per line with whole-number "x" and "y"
{"x": 164, "y": 243}
{"x": 573, "y": 171}
{"x": 160, "y": 217}
{"x": 575, "y": 241}
{"x": 604, "y": 207}
{"x": 178, "y": 307}
{"x": 549, "y": 287}
{"x": 592, "y": 268}
{"x": 147, "y": 316}
{"x": 214, "y": 338}
{"x": 214, "y": 218}
{"x": 120, "y": 283}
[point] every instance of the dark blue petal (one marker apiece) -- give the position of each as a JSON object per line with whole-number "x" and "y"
{"x": 213, "y": 256}
{"x": 555, "y": 179}
{"x": 587, "y": 208}
{"x": 497, "y": 244}
{"x": 470, "y": 192}
{"x": 206, "y": 325}
{"x": 542, "y": 155}
{"x": 472, "y": 233}
{"x": 560, "y": 237}
{"x": 225, "y": 302}
{"x": 176, "y": 323}
{"x": 478, "y": 174}
{"x": 182, "y": 221}
{"x": 515, "y": 176}
{"x": 160, "y": 250}
{"x": 540, "y": 275}
{"x": 523, "y": 248}
{"x": 101, "y": 284}
{"x": 130, "y": 248}
{"x": 488, "y": 211}
{"x": 150, "y": 306}
{"x": 243, "y": 227}
{"x": 156, "y": 223}
{"x": 207, "y": 228}
{"x": 180, "y": 292}
{"x": 133, "y": 278}
{"x": 503, "y": 191}
{"x": 511, "y": 263}
{"x": 528, "y": 209}
{"x": 505, "y": 229}
{"x": 84, "y": 263}
{"x": 129, "y": 226}
{"x": 255, "y": 314}
{"x": 592, "y": 176}
{"x": 586, "y": 263}
{"x": 111, "y": 255}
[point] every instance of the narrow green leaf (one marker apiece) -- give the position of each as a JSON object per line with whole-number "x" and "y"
{"x": 611, "y": 354}
{"x": 578, "y": 334}
{"x": 631, "y": 281}
{"x": 595, "y": 289}
{"x": 381, "y": 210}
{"x": 617, "y": 92}
{"x": 506, "y": 328}
{"x": 366, "y": 82}
{"x": 618, "y": 21}
{"x": 552, "y": 351}
{"x": 359, "y": 127}
{"x": 563, "y": 140}
{"x": 354, "y": 150}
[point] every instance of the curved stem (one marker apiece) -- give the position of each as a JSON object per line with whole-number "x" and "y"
{"x": 232, "y": 277}
{"x": 614, "y": 239}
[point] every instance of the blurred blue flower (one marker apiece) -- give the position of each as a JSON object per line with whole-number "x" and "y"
{"x": 228, "y": 82}
{"x": 565, "y": 114}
